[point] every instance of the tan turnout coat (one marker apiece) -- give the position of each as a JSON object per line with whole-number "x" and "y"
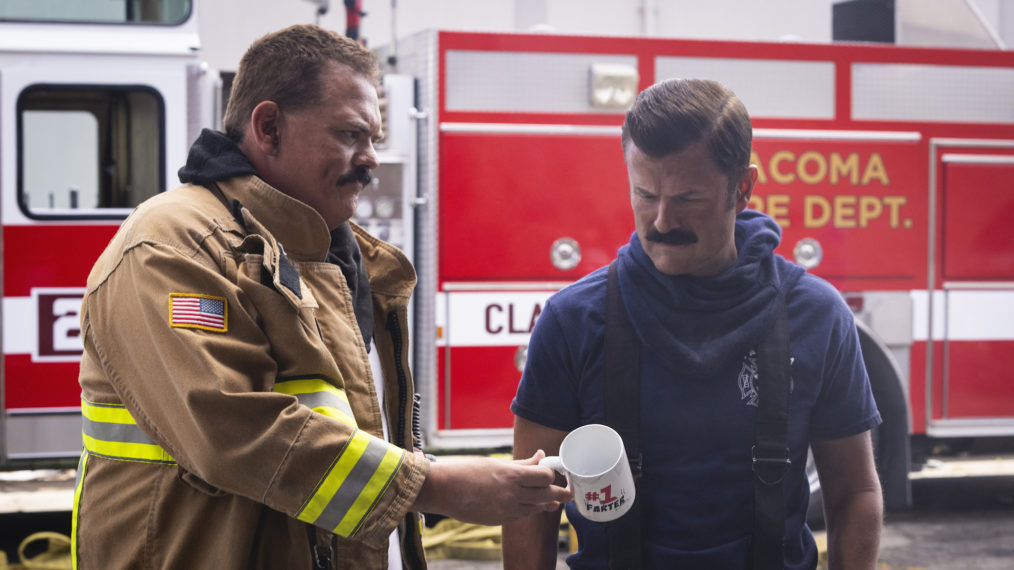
{"x": 210, "y": 438}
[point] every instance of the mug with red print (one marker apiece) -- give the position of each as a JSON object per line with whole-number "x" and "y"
{"x": 595, "y": 464}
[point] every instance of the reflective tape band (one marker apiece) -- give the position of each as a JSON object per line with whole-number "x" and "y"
{"x": 107, "y": 413}
{"x": 82, "y": 466}
{"x": 353, "y": 485}
{"x": 119, "y": 433}
{"x": 108, "y": 430}
{"x": 320, "y": 396}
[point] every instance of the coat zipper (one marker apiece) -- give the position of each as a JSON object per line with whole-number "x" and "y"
{"x": 394, "y": 328}
{"x": 411, "y": 522}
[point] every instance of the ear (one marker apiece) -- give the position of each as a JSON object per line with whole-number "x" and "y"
{"x": 265, "y": 127}
{"x": 744, "y": 188}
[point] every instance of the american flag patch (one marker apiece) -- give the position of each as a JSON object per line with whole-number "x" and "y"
{"x": 187, "y": 310}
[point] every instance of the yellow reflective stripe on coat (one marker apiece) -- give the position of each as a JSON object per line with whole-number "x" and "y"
{"x": 353, "y": 485}
{"x": 320, "y": 396}
{"x": 82, "y": 466}
{"x": 108, "y": 430}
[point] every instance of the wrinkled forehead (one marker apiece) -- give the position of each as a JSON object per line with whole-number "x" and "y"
{"x": 693, "y": 165}
{"x": 350, "y": 95}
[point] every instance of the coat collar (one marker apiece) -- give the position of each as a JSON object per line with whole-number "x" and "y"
{"x": 297, "y": 226}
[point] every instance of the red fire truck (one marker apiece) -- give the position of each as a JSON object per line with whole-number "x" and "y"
{"x": 502, "y": 176}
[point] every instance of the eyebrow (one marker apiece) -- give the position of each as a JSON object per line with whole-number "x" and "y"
{"x": 359, "y": 126}
{"x": 366, "y": 127}
{"x": 689, "y": 193}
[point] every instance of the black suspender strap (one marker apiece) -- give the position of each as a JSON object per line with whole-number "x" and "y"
{"x": 771, "y": 450}
{"x": 621, "y": 392}
{"x": 770, "y": 454}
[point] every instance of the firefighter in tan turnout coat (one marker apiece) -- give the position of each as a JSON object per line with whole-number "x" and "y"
{"x": 230, "y": 413}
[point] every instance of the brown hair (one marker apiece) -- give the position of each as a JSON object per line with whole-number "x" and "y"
{"x": 669, "y": 116}
{"x": 286, "y": 67}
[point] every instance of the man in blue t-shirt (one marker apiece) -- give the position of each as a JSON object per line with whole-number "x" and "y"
{"x": 701, "y": 286}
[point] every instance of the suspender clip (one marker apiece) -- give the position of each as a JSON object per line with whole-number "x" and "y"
{"x": 770, "y": 465}
{"x": 322, "y": 560}
{"x": 636, "y": 466}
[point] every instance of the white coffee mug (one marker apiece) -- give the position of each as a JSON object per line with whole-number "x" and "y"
{"x": 595, "y": 464}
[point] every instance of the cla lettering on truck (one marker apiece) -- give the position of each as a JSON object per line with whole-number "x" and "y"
{"x": 503, "y": 188}
{"x": 497, "y": 316}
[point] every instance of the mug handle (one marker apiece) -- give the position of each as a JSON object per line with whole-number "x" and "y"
{"x": 553, "y": 462}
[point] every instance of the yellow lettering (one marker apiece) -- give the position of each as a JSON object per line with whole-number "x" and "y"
{"x": 812, "y": 219}
{"x": 814, "y": 167}
{"x": 875, "y": 169}
{"x": 844, "y": 211}
{"x": 777, "y": 175}
{"x": 778, "y": 209}
{"x": 870, "y": 208}
{"x": 894, "y": 204}
{"x": 804, "y": 172}
{"x": 848, "y": 168}
{"x": 776, "y": 206}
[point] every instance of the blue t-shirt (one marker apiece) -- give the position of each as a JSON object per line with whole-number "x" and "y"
{"x": 699, "y": 399}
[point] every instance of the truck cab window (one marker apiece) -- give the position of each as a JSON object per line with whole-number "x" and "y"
{"x": 88, "y": 151}
{"x": 98, "y": 11}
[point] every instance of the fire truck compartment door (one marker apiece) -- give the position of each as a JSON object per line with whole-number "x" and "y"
{"x": 978, "y": 199}
{"x": 506, "y": 199}
{"x": 977, "y": 257}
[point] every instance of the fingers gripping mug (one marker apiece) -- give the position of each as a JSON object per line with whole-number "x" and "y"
{"x": 595, "y": 464}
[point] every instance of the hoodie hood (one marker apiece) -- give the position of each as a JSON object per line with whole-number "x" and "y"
{"x": 212, "y": 158}
{"x": 694, "y": 324}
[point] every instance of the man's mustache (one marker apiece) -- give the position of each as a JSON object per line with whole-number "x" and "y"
{"x": 674, "y": 237}
{"x": 359, "y": 174}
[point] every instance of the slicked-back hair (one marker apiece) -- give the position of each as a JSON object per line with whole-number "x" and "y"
{"x": 670, "y": 116}
{"x": 287, "y": 67}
